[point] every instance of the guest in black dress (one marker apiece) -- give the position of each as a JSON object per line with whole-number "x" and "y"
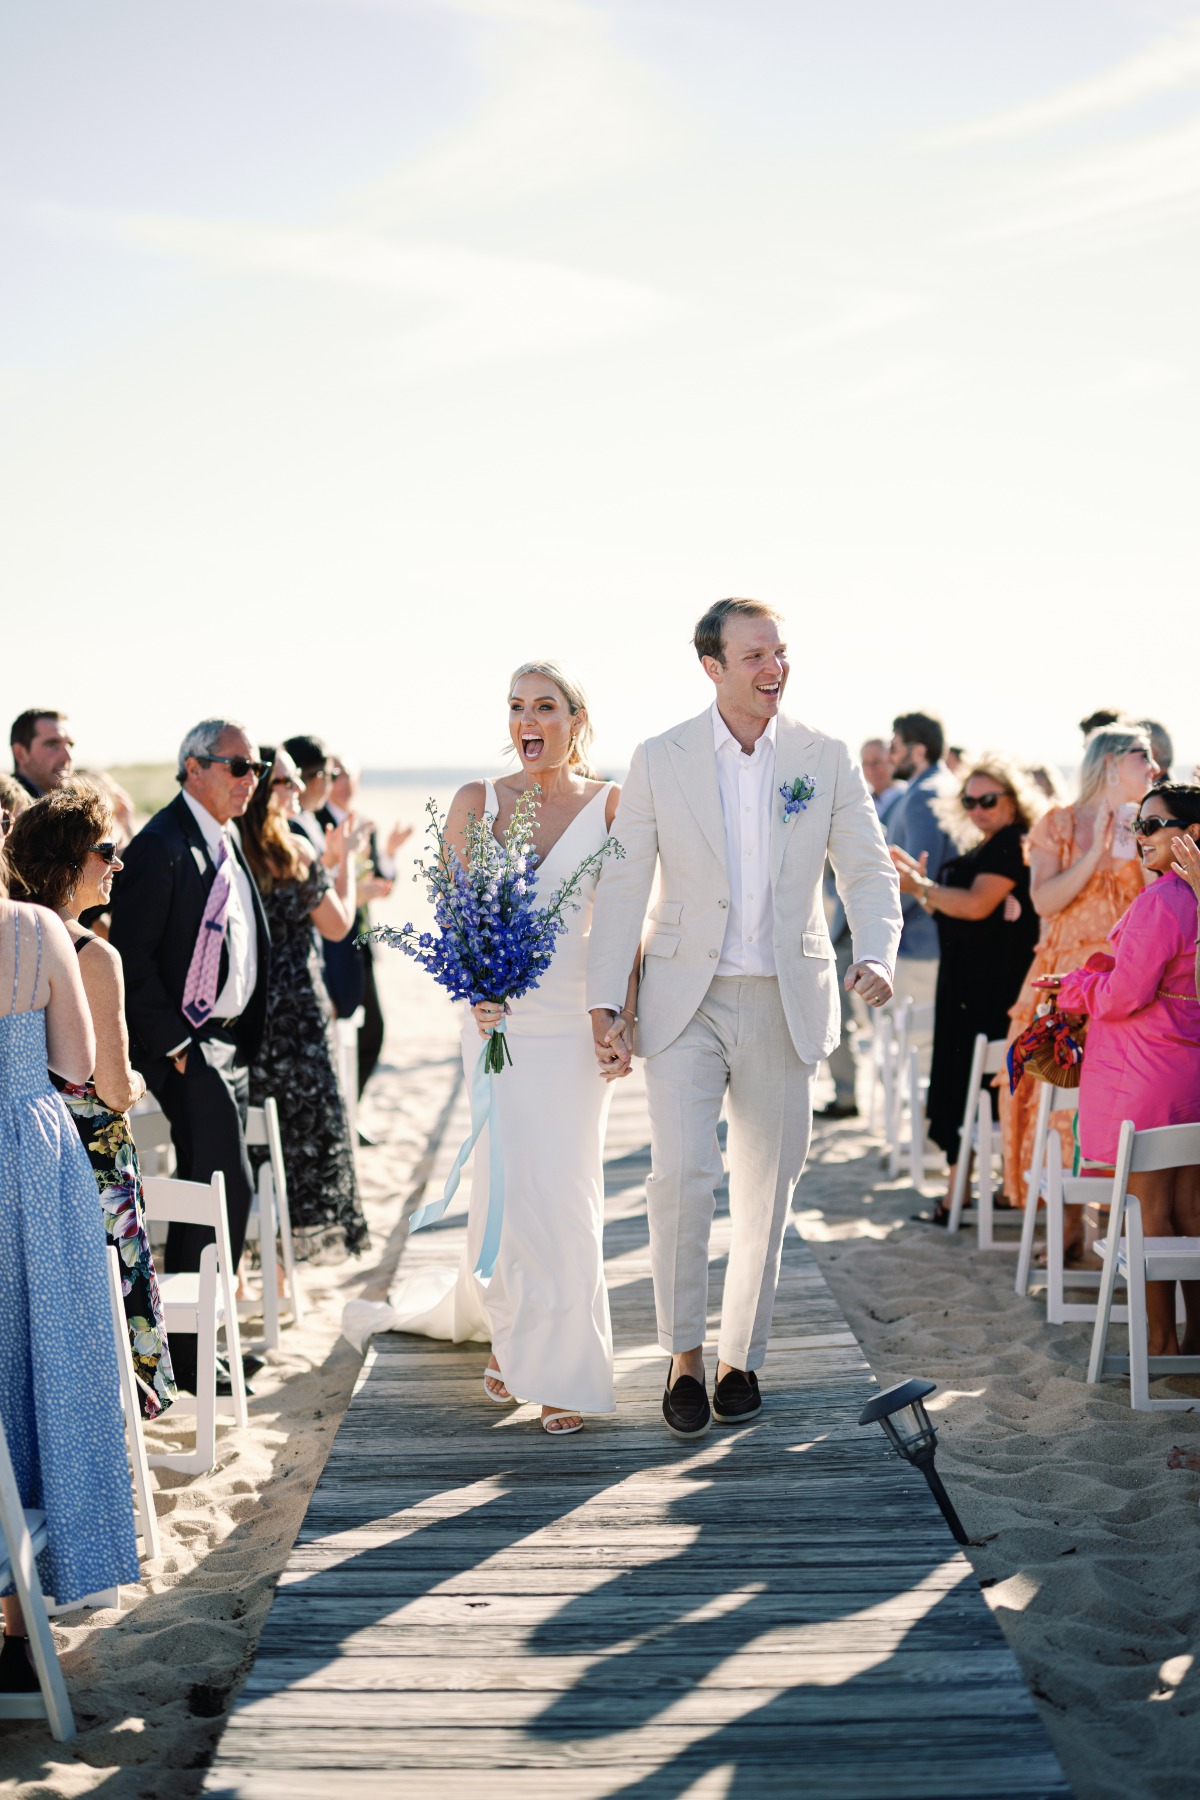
{"x": 297, "y": 1061}
{"x": 987, "y": 933}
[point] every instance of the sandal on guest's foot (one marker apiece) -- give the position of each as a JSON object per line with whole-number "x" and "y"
{"x": 939, "y": 1216}
{"x": 552, "y": 1428}
{"x": 493, "y": 1379}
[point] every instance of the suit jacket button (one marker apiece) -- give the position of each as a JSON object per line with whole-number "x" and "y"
{"x": 712, "y": 953}
{"x": 722, "y": 903}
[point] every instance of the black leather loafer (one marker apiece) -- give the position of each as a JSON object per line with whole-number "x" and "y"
{"x": 685, "y": 1406}
{"x": 736, "y": 1396}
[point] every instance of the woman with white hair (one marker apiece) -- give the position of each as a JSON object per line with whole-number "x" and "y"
{"x": 545, "y": 1309}
{"x": 1083, "y": 874}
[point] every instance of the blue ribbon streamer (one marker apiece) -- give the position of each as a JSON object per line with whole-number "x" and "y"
{"x": 482, "y": 1096}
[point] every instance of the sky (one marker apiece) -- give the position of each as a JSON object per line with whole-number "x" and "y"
{"x": 355, "y": 351}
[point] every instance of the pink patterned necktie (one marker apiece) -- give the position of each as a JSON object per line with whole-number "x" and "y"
{"x": 200, "y": 990}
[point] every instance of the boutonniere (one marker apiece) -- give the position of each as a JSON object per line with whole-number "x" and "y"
{"x": 797, "y": 796}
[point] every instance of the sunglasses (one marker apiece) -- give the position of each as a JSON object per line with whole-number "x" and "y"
{"x": 317, "y": 769}
{"x": 1152, "y": 822}
{"x": 987, "y": 801}
{"x": 6, "y": 823}
{"x": 107, "y": 850}
{"x": 289, "y": 781}
{"x": 238, "y": 766}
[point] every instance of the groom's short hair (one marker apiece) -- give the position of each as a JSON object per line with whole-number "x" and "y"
{"x": 709, "y": 635}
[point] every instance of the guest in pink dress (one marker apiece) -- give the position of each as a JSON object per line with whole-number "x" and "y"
{"x": 1142, "y": 1060}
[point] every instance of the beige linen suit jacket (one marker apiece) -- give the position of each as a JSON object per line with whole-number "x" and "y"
{"x": 670, "y": 818}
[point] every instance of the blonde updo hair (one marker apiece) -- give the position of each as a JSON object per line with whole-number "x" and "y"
{"x": 582, "y": 735}
{"x": 1029, "y": 801}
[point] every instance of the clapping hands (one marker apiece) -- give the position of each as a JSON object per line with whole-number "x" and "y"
{"x": 911, "y": 870}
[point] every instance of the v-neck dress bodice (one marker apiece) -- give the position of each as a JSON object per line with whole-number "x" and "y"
{"x": 563, "y": 988}
{"x": 545, "y": 1309}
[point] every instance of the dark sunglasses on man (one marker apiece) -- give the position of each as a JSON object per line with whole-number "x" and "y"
{"x": 987, "y": 802}
{"x": 1152, "y": 823}
{"x": 239, "y": 766}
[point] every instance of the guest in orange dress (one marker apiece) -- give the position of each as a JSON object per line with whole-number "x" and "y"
{"x": 1084, "y": 873}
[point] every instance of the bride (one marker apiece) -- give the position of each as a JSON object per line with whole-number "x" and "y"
{"x": 545, "y": 1309}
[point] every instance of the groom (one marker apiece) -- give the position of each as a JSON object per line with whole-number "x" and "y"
{"x": 737, "y": 810}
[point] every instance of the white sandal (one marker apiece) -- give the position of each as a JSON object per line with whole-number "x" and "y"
{"x": 553, "y": 1430}
{"x": 504, "y": 1399}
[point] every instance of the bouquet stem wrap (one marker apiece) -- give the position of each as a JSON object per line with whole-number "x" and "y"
{"x": 482, "y": 1097}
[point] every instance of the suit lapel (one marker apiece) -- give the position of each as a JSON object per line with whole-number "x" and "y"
{"x": 198, "y": 851}
{"x": 794, "y": 756}
{"x": 694, "y": 760}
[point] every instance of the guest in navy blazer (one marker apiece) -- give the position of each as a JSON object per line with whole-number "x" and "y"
{"x": 199, "y": 1073}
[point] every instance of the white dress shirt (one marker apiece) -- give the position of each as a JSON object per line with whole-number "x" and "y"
{"x": 747, "y": 784}
{"x": 240, "y": 936}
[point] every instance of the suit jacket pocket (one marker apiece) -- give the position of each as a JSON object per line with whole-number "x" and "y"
{"x": 661, "y": 943}
{"x": 667, "y": 912}
{"x": 816, "y": 943}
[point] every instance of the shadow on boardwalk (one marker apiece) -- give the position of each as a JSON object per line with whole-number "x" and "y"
{"x": 776, "y": 1609}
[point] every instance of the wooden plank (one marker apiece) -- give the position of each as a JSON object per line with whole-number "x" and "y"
{"x": 776, "y": 1609}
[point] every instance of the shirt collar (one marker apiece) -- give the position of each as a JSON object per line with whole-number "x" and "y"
{"x": 212, "y": 828}
{"x": 723, "y": 737}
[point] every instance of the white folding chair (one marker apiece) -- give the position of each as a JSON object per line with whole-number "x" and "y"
{"x": 1141, "y": 1259}
{"x": 883, "y": 1071}
{"x": 145, "y": 1518}
{"x": 196, "y": 1303}
{"x": 23, "y": 1537}
{"x": 347, "y": 1036}
{"x": 1048, "y": 1184}
{"x": 152, "y": 1135}
{"x": 270, "y": 1216}
{"x": 978, "y": 1140}
{"x": 913, "y": 1023}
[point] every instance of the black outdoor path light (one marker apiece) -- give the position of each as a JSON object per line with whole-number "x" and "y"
{"x": 901, "y": 1412}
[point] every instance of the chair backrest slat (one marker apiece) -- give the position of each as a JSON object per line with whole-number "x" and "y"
{"x": 176, "y": 1202}
{"x": 1165, "y": 1147}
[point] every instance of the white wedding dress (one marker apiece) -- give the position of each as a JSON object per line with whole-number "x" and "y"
{"x": 545, "y": 1309}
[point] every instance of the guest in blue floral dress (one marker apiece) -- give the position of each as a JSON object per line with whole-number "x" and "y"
{"x": 62, "y": 854}
{"x": 59, "y": 1394}
{"x": 304, "y": 891}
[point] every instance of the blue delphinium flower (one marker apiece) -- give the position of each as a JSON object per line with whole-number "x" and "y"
{"x": 493, "y": 942}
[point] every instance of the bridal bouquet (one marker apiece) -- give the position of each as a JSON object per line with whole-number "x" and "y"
{"x": 493, "y": 941}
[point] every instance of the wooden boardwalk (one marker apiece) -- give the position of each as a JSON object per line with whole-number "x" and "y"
{"x": 474, "y": 1608}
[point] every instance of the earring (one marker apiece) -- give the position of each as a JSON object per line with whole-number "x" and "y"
{"x": 1112, "y": 778}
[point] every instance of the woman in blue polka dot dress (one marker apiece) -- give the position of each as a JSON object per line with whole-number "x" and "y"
{"x": 59, "y": 1394}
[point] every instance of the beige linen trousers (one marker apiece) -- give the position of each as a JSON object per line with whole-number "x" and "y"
{"x": 751, "y": 1043}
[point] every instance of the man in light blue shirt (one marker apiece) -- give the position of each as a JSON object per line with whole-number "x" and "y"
{"x": 918, "y": 743}
{"x": 876, "y": 762}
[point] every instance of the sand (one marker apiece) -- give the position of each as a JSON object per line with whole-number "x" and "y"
{"x": 1090, "y": 1546}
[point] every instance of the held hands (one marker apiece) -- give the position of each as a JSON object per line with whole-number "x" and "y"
{"x": 612, "y": 1037}
{"x": 869, "y": 983}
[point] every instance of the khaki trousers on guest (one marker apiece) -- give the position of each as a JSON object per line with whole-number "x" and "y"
{"x": 738, "y": 1044}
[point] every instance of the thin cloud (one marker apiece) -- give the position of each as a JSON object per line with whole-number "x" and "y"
{"x": 457, "y": 305}
{"x": 565, "y": 110}
{"x": 1153, "y": 181}
{"x": 1168, "y": 64}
